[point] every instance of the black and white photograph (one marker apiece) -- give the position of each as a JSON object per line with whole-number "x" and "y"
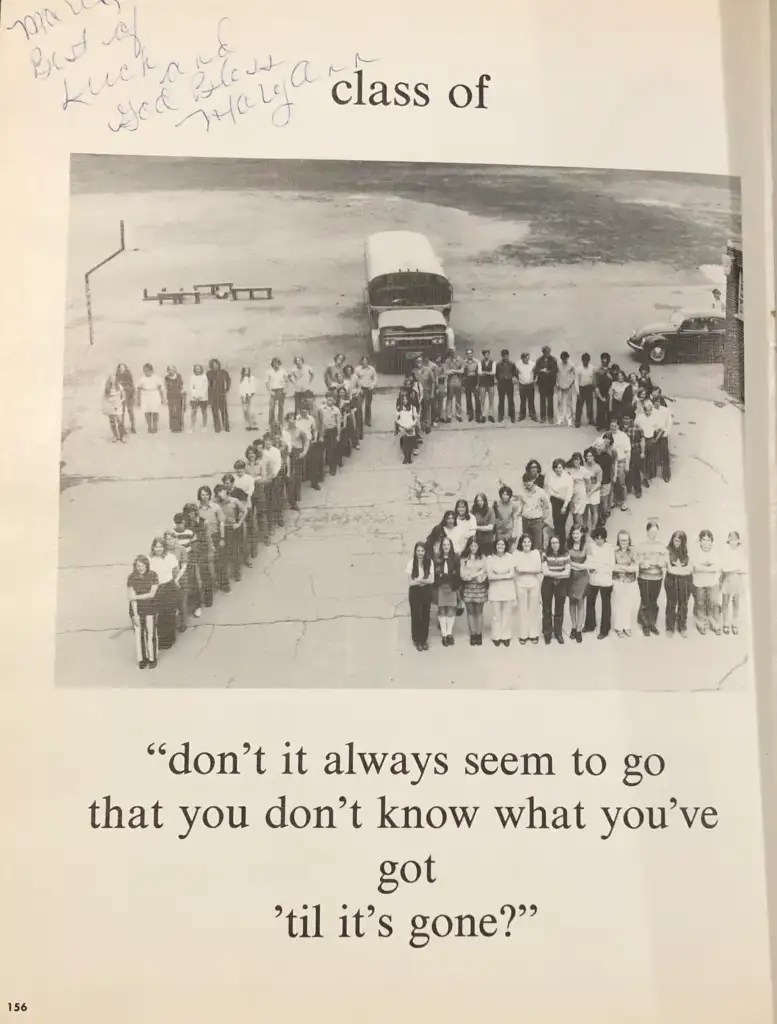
{"x": 324, "y": 421}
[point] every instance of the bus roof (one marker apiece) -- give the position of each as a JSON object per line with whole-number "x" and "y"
{"x": 392, "y": 252}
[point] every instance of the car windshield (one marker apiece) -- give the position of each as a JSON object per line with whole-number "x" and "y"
{"x": 677, "y": 318}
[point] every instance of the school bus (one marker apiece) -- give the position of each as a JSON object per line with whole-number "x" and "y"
{"x": 409, "y": 299}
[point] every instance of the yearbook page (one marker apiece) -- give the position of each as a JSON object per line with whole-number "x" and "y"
{"x": 387, "y": 618}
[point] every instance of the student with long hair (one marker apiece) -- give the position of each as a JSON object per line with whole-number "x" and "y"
{"x": 142, "y": 587}
{"x": 579, "y": 476}
{"x": 446, "y": 575}
{"x": 601, "y": 562}
{"x": 560, "y": 488}
{"x": 500, "y": 569}
{"x": 407, "y": 427}
{"x": 706, "y": 585}
{"x": 466, "y": 525}
{"x": 368, "y": 379}
{"x": 197, "y": 391}
{"x": 556, "y": 571}
{"x": 420, "y": 571}
{"x": 215, "y": 532}
{"x": 733, "y": 564}
{"x": 624, "y": 585}
{"x": 175, "y": 394}
{"x": 485, "y": 519}
{"x": 219, "y": 384}
{"x": 652, "y": 559}
{"x": 445, "y": 528}
{"x": 124, "y": 377}
{"x": 113, "y": 407}
{"x": 165, "y": 564}
{"x": 534, "y": 469}
{"x": 528, "y": 583}
{"x": 199, "y": 560}
{"x": 577, "y": 549}
{"x": 181, "y": 595}
{"x": 678, "y": 584}
{"x": 275, "y": 381}
{"x": 621, "y": 395}
{"x": 473, "y": 571}
{"x": 593, "y": 487}
{"x": 247, "y": 388}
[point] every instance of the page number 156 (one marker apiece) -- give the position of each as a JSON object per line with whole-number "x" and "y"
{"x": 17, "y": 1007}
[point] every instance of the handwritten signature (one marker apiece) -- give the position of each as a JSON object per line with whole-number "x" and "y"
{"x": 218, "y": 85}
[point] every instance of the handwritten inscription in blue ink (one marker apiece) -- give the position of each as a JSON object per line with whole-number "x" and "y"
{"x": 95, "y": 53}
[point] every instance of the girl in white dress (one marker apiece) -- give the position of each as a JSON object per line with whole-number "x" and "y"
{"x": 579, "y": 503}
{"x": 150, "y": 397}
{"x": 500, "y": 569}
{"x": 733, "y": 563}
{"x": 528, "y": 584}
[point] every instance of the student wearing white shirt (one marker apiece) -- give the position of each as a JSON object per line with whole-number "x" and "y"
{"x": 276, "y": 381}
{"x": 733, "y": 563}
{"x": 525, "y": 368}
{"x": 565, "y": 392}
{"x": 585, "y": 391}
{"x": 302, "y": 379}
{"x": 559, "y": 486}
{"x": 528, "y": 584}
{"x": 500, "y": 569}
{"x": 407, "y": 427}
{"x": 198, "y": 395}
{"x": 706, "y": 585}
{"x": 420, "y": 572}
{"x": 600, "y": 564}
{"x": 368, "y": 379}
{"x": 247, "y": 390}
{"x": 650, "y": 425}
{"x": 621, "y": 446}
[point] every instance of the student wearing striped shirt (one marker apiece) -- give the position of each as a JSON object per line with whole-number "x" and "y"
{"x": 555, "y": 586}
{"x": 183, "y": 538}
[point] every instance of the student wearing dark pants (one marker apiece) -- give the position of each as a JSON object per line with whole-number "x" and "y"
{"x": 420, "y": 571}
{"x": 600, "y": 564}
{"x": 585, "y": 391}
{"x": 330, "y": 432}
{"x": 555, "y": 586}
{"x": 470, "y": 376}
{"x": 678, "y": 584}
{"x": 546, "y": 373}
{"x": 506, "y": 372}
{"x": 525, "y": 368}
{"x": 219, "y": 383}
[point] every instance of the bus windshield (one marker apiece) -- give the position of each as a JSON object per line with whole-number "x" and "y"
{"x": 410, "y": 289}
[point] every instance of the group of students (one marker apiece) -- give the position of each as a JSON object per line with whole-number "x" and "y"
{"x": 481, "y": 556}
{"x": 431, "y": 393}
{"x": 214, "y": 538}
{"x": 208, "y": 390}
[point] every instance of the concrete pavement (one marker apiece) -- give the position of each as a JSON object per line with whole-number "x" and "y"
{"x": 325, "y": 605}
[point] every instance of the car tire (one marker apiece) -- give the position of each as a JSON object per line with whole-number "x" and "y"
{"x": 659, "y": 353}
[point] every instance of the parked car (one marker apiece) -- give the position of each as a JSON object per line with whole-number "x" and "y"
{"x": 689, "y": 335}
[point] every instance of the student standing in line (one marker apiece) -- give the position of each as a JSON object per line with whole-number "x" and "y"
{"x": 470, "y": 374}
{"x": 454, "y": 366}
{"x": 234, "y": 513}
{"x": 585, "y": 391}
{"x": 189, "y": 581}
{"x": 313, "y": 469}
{"x": 559, "y": 487}
{"x": 506, "y": 373}
{"x": 602, "y": 384}
{"x": 302, "y": 378}
{"x": 556, "y": 570}
{"x": 593, "y": 486}
{"x": 165, "y": 564}
{"x": 663, "y": 456}
{"x": 142, "y": 587}
{"x": 425, "y": 375}
{"x": 175, "y": 394}
{"x": 466, "y": 526}
{"x": 113, "y": 407}
{"x": 579, "y": 475}
{"x": 125, "y": 379}
{"x": 243, "y": 489}
{"x": 621, "y": 396}
{"x": 486, "y": 381}
{"x": 368, "y": 379}
{"x": 298, "y": 443}
{"x": 473, "y": 571}
{"x": 407, "y": 426}
{"x": 506, "y": 519}
{"x": 420, "y": 571}
{"x": 150, "y": 397}
{"x": 198, "y": 396}
{"x": 500, "y": 569}
{"x": 546, "y": 375}
{"x": 202, "y": 579}
{"x": 174, "y": 547}
{"x": 652, "y": 559}
{"x": 706, "y": 585}
{"x": 601, "y": 562}
{"x": 275, "y": 381}
{"x": 650, "y": 426}
{"x": 247, "y": 389}
{"x": 565, "y": 392}
{"x": 577, "y": 549}
{"x": 440, "y": 390}
{"x": 219, "y": 383}
{"x": 271, "y": 461}
{"x": 215, "y": 530}
{"x": 528, "y": 581}
{"x": 644, "y": 379}
{"x": 635, "y": 471}
{"x": 733, "y": 564}
{"x": 534, "y": 508}
{"x": 333, "y": 371}
{"x": 605, "y": 458}
{"x": 445, "y": 528}
{"x": 526, "y": 383}
{"x": 621, "y": 448}
{"x": 678, "y": 584}
{"x": 486, "y": 523}
{"x": 354, "y": 392}
{"x": 534, "y": 469}
{"x": 448, "y": 582}
{"x": 330, "y": 424}
{"x": 259, "y": 497}
{"x": 624, "y": 585}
